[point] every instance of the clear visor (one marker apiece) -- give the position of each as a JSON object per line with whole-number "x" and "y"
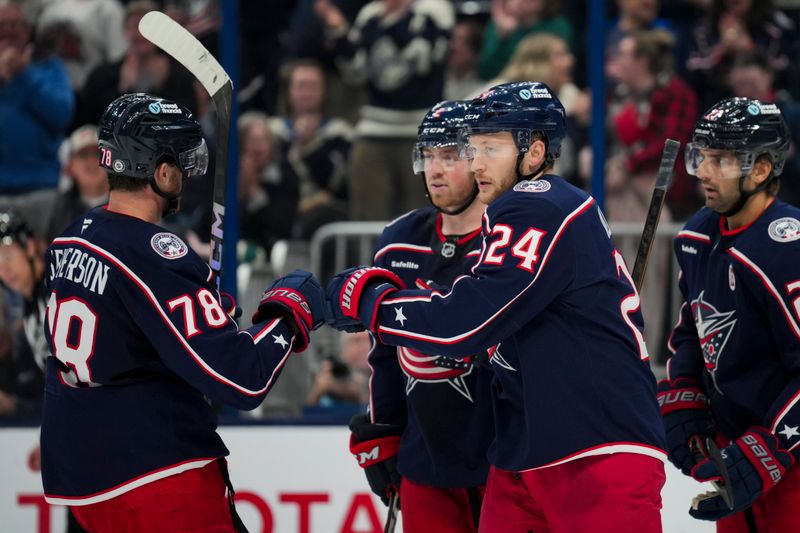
{"x": 194, "y": 162}
{"x": 473, "y": 143}
{"x": 718, "y": 163}
{"x": 425, "y": 156}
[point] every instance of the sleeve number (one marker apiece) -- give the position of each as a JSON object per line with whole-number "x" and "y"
{"x": 73, "y": 331}
{"x": 526, "y": 247}
{"x": 213, "y": 314}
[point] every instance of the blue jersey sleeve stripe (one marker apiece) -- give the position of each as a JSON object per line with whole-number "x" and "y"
{"x": 460, "y": 337}
{"x": 150, "y": 296}
{"x": 746, "y": 261}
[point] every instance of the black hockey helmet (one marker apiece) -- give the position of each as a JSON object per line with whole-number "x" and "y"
{"x": 138, "y": 132}
{"x": 13, "y": 229}
{"x": 440, "y": 127}
{"x": 522, "y": 109}
{"x": 748, "y": 127}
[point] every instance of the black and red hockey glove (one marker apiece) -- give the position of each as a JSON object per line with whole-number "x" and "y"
{"x": 353, "y": 296}
{"x": 755, "y": 463}
{"x": 298, "y": 298}
{"x": 375, "y": 446}
{"x": 687, "y": 421}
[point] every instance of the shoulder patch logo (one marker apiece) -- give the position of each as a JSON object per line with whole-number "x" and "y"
{"x": 532, "y": 186}
{"x": 169, "y": 245}
{"x": 785, "y": 229}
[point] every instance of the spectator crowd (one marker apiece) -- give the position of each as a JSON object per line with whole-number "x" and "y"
{"x": 331, "y": 93}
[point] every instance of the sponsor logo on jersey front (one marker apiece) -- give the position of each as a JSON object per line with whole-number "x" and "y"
{"x": 714, "y": 328}
{"x": 688, "y": 249}
{"x": 532, "y": 186}
{"x": 405, "y": 264}
{"x": 168, "y": 245}
{"x": 785, "y": 229}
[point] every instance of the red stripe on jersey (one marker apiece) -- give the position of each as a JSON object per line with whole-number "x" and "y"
{"x": 746, "y": 261}
{"x": 150, "y": 296}
{"x": 458, "y": 338}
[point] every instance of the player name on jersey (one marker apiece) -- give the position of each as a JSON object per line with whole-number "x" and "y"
{"x": 79, "y": 267}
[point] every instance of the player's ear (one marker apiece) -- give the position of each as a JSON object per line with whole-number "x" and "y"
{"x": 535, "y": 156}
{"x": 761, "y": 169}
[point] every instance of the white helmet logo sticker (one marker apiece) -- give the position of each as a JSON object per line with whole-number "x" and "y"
{"x": 154, "y": 108}
{"x": 118, "y": 165}
{"x": 525, "y": 94}
{"x": 785, "y": 229}
{"x": 168, "y": 245}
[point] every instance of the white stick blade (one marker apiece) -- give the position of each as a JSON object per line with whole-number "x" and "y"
{"x": 175, "y": 40}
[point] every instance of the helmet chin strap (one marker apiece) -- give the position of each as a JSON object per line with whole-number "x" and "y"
{"x": 521, "y": 177}
{"x": 173, "y": 200}
{"x": 745, "y": 195}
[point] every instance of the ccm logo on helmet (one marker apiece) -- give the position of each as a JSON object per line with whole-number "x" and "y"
{"x": 433, "y": 130}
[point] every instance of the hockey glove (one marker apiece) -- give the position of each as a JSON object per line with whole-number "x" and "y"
{"x": 354, "y": 295}
{"x": 298, "y": 298}
{"x": 375, "y": 446}
{"x": 755, "y": 464}
{"x": 687, "y": 421}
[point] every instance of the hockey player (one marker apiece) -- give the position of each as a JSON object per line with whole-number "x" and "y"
{"x": 435, "y": 411}
{"x": 578, "y": 438}
{"x": 735, "y": 370}
{"x": 138, "y": 337}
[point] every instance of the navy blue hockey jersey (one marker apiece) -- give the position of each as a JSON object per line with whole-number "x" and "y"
{"x": 443, "y": 403}
{"x": 552, "y": 298}
{"x": 137, "y": 338}
{"x": 739, "y": 325}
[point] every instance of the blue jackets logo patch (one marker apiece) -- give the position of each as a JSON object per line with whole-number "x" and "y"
{"x": 532, "y": 186}
{"x": 168, "y": 245}
{"x": 714, "y": 328}
{"x": 785, "y": 229}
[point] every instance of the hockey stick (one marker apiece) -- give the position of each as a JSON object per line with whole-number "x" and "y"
{"x": 175, "y": 40}
{"x": 391, "y": 518}
{"x": 663, "y": 179}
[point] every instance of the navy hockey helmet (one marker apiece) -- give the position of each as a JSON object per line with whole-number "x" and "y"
{"x": 138, "y": 132}
{"x": 13, "y": 229}
{"x": 440, "y": 127}
{"x": 522, "y": 109}
{"x": 749, "y": 128}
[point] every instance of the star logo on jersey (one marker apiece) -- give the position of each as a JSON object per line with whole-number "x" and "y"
{"x": 785, "y": 229}
{"x": 423, "y": 368}
{"x": 279, "y": 339}
{"x": 789, "y": 432}
{"x": 532, "y": 186}
{"x": 399, "y": 316}
{"x": 713, "y": 329}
